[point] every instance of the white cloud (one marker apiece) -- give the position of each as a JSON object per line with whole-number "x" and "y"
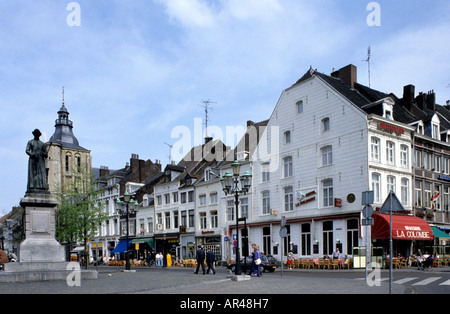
{"x": 189, "y": 12}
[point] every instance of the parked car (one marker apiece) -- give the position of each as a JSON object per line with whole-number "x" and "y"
{"x": 268, "y": 262}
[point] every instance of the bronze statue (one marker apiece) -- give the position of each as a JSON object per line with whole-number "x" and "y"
{"x": 37, "y": 173}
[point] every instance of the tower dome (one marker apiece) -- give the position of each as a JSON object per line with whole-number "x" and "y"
{"x": 63, "y": 130}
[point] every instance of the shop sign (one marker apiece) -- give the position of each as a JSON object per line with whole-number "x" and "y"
{"x": 390, "y": 128}
{"x": 307, "y": 198}
{"x": 442, "y": 177}
{"x": 337, "y": 202}
{"x": 413, "y": 232}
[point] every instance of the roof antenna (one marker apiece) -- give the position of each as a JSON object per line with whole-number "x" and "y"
{"x": 170, "y": 152}
{"x": 206, "y": 104}
{"x": 369, "y": 54}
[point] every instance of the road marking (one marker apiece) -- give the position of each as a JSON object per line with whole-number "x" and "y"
{"x": 404, "y": 280}
{"x": 426, "y": 281}
{"x": 445, "y": 283}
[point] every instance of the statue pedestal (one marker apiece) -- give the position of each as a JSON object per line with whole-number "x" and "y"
{"x": 41, "y": 257}
{"x": 40, "y": 244}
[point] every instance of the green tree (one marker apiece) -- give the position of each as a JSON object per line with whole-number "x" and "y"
{"x": 79, "y": 213}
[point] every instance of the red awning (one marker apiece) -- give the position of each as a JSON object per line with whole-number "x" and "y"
{"x": 403, "y": 227}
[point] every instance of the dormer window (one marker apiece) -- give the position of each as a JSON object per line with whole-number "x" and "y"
{"x": 388, "y": 111}
{"x": 435, "y": 131}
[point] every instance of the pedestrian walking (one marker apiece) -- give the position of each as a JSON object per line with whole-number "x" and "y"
{"x": 200, "y": 259}
{"x": 210, "y": 261}
{"x": 256, "y": 271}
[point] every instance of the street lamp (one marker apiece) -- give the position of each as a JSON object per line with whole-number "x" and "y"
{"x": 126, "y": 199}
{"x": 230, "y": 185}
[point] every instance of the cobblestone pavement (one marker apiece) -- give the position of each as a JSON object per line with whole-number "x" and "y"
{"x": 112, "y": 280}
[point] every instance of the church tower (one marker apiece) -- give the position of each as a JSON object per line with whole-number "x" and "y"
{"x": 65, "y": 155}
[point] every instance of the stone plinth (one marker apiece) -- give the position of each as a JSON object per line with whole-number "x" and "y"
{"x": 40, "y": 244}
{"x": 41, "y": 257}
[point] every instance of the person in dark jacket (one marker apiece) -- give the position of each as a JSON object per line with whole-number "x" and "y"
{"x": 210, "y": 261}
{"x": 200, "y": 259}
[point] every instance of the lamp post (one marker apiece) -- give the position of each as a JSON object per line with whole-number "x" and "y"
{"x": 230, "y": 185}
{"x": 126, "y": 199}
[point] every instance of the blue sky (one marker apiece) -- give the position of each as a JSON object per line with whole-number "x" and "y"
{"x": 135, "y": 70}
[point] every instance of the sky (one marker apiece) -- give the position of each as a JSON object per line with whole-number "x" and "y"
{"x": 135, "y": 71}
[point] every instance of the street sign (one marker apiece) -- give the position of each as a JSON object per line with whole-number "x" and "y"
{"x": 367, "y": 211}
{"x": 283, "y": 221}
{"x": 226, "y": 238}
{"x": 367, "y": 222}
{"x": 391, "y": 203}
{"x": 235, "y": 243}
{"x": 234, "y": 236}
{"x": 367, "y": 198}
{"x": 283, "y": 232}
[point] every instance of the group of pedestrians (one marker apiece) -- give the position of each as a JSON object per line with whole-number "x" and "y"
{"x": 201, "y": 257}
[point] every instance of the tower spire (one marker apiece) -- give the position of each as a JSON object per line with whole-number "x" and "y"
{"x": 63, "y": 95}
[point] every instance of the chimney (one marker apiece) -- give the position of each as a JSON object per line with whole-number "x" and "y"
{"x": 208, "y": 139}
{"x": 408, "y": 96}
{"x": 250, "y": 123}
{"x": 104, "y": 171}
{"x": 421, "y": 100}
{"x": 431, "y": 101}
{"x": 347, "y": 74}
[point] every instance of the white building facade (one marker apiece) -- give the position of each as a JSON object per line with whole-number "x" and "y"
{"x": 315, "y": 159}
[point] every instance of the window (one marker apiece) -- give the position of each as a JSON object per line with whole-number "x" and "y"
{"x": 391, "y": 184}
{"x": 167, "y": 220}
{"x": 325, "y": 124}
{"x": 436, "y": 205}
{"x": 375, "y": 149}
{"x": 183, "y": 218}
{"x": 446, "y": 198}
{"x": 244, "y": 207}
{"x": 265, "y": 172}
{"x": 287, "y": 167}
{"x": 418, "y": 158}
{"x": 299, "y": 106}
{"x": 190, "y": 196}
{"x": 230, "y": 210}
{"x": 352, "y": 235}
{"x": 67, "y": 163}
{"x": 287, "y": 137}
{"x": 328, "y": 237}
{"x": 202, "y": 221}
{"x": 437, "y": 163}
{"x": 167, "y": 198}
{"x": 405, "y": 191}
{"x": 376, "y": 181}
{"x": 327, "y": 193}
{"x": 404, "y": 155}
{"x": 427, "y": 194}
{"x": 266, "y": 202}
{"x": 202, "y": 199}
{"x": 175, "y": 197}
{"x": 267, "y": 241}
{"x": 327, "y": 155}
{"x": 175, "y": 219}
{"x": 436, "y": 134}
{"x": 214, "y": 219}
{"x": 446, "y": 167}
{"x": 427, "y": 161}
{"x": 418, "y": 193}
{"x": 213, "y": 197}
{"x": 191, "y": 218}
{"x": 183, "y": 197}
{"x": 158, "y": 200}
{"x": 390, "y": 153}
{"x": 288, "y": 199}
{"x": 306, "y": 239}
